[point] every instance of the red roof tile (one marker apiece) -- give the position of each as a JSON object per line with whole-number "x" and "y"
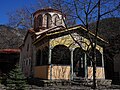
{"x": 9, "y": 50}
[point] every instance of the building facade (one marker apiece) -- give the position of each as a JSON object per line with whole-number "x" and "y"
{"x": 50, "y": 50}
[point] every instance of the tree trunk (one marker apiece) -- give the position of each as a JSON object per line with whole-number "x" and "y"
{"x": 94, "y": 74}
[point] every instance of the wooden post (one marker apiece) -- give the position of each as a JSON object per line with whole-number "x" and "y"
{"x": 103, "y": 65}
{"x": 49, "y": 62}
{"x": 71, "y": 65}
{"x": 85, "y": 66}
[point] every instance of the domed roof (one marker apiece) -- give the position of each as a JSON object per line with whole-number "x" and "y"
{"x": 47, "y": 10}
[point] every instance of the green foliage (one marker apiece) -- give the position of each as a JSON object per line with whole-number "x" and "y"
{"x": 16, "y": 80}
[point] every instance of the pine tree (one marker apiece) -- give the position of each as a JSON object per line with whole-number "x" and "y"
{"x": 16, "y": 80}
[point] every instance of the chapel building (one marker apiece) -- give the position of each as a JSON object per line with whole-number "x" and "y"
{"x": 50, "y": 52}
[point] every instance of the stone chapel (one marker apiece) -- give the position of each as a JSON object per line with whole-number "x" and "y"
{"x": 49, "y": 51}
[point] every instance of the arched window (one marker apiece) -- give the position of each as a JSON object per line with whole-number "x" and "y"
{"x": 61, "y": 55}
{"x": 40, "y": 20}
{"x": 56, "y": 20}
{"x": 47, "y": 20}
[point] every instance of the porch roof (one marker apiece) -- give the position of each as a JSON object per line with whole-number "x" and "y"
{"x": 61, "y": 30}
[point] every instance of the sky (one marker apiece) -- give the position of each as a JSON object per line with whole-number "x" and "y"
{"x": 7, "y": 6}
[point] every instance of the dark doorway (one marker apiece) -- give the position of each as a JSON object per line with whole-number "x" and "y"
{"x": 78, "y": 63}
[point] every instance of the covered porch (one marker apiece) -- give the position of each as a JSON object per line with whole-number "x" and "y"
{"x": 62, "y": 62}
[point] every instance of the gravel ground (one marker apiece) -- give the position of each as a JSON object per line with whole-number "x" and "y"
{"x": 113, "y": 87}
{"x": 33, "y": 87}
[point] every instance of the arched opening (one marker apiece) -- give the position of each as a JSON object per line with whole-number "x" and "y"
{"x": 79, "y": 62}
{"x": 61, "y": 55}
{"x": 40, "y": 20}
{"x": 56, "y": 20}
{"x": 98, "y": 59}
{"x": 47, "y": 20}
{"x": 42, "y": 56}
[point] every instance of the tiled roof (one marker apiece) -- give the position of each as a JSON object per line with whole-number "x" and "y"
{"x": 9, "y": 50}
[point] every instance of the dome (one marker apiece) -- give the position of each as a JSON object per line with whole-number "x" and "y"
{"x": 47, "y": 18}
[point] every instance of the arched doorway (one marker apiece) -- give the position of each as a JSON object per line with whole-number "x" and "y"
{"x": 78, "y": 63}
{"x": 61, "y": 55}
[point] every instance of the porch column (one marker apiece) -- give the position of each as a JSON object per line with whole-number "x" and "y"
{"x": 49, "y": 61}
{"x": 103, "y": 65}
{"x": 71, "y": 67}
{"x": 85, "y": 66}
{"x": 102, "y": 60}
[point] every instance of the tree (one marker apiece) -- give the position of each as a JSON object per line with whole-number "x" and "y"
{"x": 85, "y": 12}
{"x": 16, "y": 80}
{"x": 21, "y": 18}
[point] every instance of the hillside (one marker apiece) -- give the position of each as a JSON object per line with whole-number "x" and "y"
{"x": 10, "y": 38}
{"x": 108, "y": 28}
